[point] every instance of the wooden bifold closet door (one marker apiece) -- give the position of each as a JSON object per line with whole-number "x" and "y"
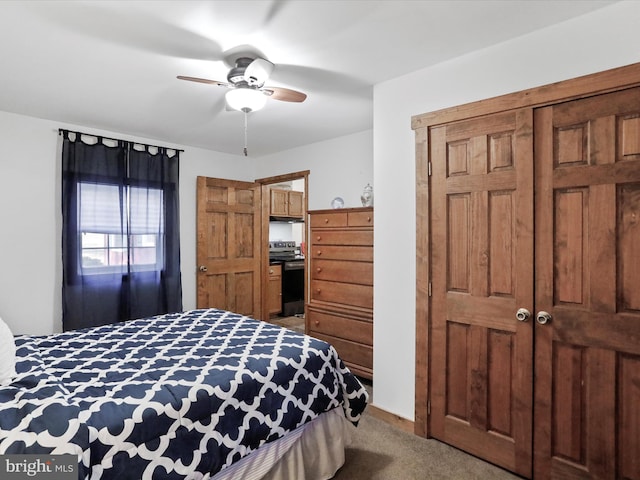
{"x": 482, "y": 273}
{"x": 587, "y": 362}
{"x": 535, "y": 267}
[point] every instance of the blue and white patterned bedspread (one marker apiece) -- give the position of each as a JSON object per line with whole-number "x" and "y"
{"x": 174, "y": 396}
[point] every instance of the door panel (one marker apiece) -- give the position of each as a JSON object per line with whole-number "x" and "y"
{"x": 482, "y": 273}
{"x": 587, "y": 405}
{"x": 228, "y": 249}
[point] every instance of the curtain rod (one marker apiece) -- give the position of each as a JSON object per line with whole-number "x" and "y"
{"x": 62, "y": 130}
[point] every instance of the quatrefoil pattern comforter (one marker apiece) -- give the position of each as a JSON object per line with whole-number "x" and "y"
{"x": 175, "y": 396}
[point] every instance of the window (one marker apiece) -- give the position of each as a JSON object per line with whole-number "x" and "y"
{"x": 105, "y": 245}
{"x": 101, "y": 251}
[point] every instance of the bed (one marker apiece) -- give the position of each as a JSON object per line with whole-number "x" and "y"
{"x": 200, "y": 394}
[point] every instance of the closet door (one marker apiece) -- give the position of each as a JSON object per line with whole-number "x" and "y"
{"x": 482, "y": 274}
{"x": 587, "y": 358}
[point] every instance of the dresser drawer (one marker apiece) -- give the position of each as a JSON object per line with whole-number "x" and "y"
{"x": 350, "y": 352}
{"x": 343, "y": 271}
{"x": 329, "y": 219}
{"x": 342, "y": 252}
{"x": 342, "y": 237}
{"x": 360, "y": 219}
{"x": 356, "y": 330}
{"x": 342, "y": 293}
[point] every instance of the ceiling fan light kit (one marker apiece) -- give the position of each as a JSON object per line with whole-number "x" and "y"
{"x": 245, "y": 99}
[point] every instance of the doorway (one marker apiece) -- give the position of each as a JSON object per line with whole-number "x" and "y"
{"x": 233, "y": 223}
{"x": 284, "y": 212}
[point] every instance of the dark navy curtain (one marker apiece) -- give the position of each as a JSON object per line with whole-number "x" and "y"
{"x": 120, "y": 233}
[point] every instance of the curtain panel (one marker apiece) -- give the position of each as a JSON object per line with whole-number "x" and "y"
{"x": 120, "y": 231}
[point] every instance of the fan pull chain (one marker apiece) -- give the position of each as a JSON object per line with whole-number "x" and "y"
{"x": 246, "y": 130}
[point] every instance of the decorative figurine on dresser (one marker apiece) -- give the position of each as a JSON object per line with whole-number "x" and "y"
{"x": 340, "y": 308}
{"x": 367, "y": 196}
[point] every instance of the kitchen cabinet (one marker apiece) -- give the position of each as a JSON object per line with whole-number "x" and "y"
{"x": 286, "y": 203}
{"x": 340, "y": 308}
{"x": 275, "y": 289}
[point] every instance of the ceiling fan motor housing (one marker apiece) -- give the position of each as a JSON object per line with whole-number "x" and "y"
{"x": 250, "y": 72}
{"x": 236, "y": 74}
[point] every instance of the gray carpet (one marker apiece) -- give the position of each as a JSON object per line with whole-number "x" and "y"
{"x": 381, "y": 452}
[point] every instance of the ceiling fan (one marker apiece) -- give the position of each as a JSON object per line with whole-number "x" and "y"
{"x": 247, "y": 92}
{"x": 245, "y": 80}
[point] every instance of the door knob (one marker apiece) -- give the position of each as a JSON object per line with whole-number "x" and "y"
{"x": 543, "y": 317}
{"x": 523, "y": 314}
{"x": 202, "y": 268}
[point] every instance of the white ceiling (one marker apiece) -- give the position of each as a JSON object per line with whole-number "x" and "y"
{"x": 112, "y": 65}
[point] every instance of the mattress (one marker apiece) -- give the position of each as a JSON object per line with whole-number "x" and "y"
{"x": 183, "y": 395}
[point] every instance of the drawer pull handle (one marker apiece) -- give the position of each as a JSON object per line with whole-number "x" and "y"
{"x": 319, "y": 252}
{"x": 318, "y": 291}
{"x": 317, "y": 323}
{"x": 270, "y": 271}
{"x": 318, "y": 238}
{"x": 319, "y": 269}
{"x": 368, "y": 219}
{"x": 326, "y": 220}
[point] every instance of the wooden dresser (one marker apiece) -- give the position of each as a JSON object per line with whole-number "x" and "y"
{"x": 340, "y": 308}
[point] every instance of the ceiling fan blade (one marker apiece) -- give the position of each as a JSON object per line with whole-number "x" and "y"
{"x": 258, "y": 71}
{"x": 284, "y": 94}
{"x": 146, "y": 32}
{"x": 202, "y": 80}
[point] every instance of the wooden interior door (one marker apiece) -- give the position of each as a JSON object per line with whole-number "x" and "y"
{"x": 587, "y": 359}
{"x": 228, "y": 250}
{"x": 482, "y": 273}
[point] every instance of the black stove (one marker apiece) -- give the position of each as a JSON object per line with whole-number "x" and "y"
{"x": 283, "y": 251}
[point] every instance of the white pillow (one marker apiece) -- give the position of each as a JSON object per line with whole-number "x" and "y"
{"x": 7, "y": 354}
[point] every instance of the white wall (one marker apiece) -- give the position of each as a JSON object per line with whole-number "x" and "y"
{"x": 340, "y": 167}
{"x": 597, "y": 41}
{"x": 29, "y": 299}
{"x": 30, "y": 235}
